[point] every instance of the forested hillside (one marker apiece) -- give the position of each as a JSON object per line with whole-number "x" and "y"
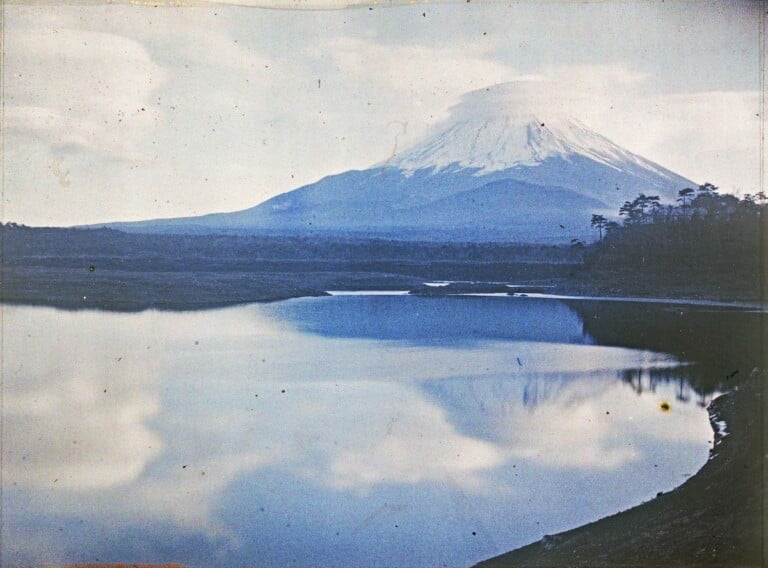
{"x": 707, "y": 239}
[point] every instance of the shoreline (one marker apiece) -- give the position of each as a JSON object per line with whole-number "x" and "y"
{"x": 741, "y": 305}
{"x": 746, "y": 305}
{"x": 714, "y": 518}
{"x": 130, "y": 291}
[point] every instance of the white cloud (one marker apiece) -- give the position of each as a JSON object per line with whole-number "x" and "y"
{"x": 597, "y": 427}
{"x": 87, "y": 425}
{"x": 407, "y": 85}
{"x": 80, "y": 90}
{"x": 243, "y": 104}
{"x": 75, "y": 417}
{"x": 69, "y": 436}
{"x": 396, "y": 442}
{"x": 706, "y": 136}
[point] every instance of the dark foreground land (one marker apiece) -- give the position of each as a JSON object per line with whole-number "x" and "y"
{"x": 107, "y": 269}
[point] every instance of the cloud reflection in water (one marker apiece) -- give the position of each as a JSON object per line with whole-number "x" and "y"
{"x": 200, "y": 405}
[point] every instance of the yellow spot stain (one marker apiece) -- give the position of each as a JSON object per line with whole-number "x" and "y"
{"x": 665, "y": 407}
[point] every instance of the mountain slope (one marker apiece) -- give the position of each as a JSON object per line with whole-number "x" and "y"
{"x": 489, "y": 173}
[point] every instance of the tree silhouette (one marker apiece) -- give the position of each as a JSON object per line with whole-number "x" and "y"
{"x": 684, "y": 197}
{"x": 702, "y": 235}
{"x": 654, "y": 205}
{"x": 630, "y": 211}
{"x": 599, "y": 222}
{"x": 707, "y": 189}
{"x": 642, "y": 209}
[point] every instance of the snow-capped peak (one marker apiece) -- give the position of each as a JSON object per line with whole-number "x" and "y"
{"x": 487, "y": 133}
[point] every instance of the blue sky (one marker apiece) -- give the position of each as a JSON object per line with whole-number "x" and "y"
{"x": 134, "y": 112}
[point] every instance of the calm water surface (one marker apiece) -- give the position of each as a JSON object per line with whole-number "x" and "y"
{"x": 341, "y": 431}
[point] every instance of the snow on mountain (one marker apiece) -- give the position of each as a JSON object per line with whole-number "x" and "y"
{"x": 502, "y": 142}
{"x": 491, "y": 171}
{"x": 487, "y": 132}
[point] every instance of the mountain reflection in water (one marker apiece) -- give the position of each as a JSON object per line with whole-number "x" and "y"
{"x": 343, "y": 431}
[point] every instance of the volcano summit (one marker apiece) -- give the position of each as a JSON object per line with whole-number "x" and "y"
{"x": 488, "y": 173}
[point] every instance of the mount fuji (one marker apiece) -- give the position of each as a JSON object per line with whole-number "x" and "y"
{"x": 489, "y": 173}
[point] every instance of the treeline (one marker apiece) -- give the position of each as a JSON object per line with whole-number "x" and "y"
{"x": 26, "y": 245}
{"x": 704, "y": 235}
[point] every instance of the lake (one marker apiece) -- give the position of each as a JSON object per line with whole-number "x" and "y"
{"x": 346, "y": 430}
